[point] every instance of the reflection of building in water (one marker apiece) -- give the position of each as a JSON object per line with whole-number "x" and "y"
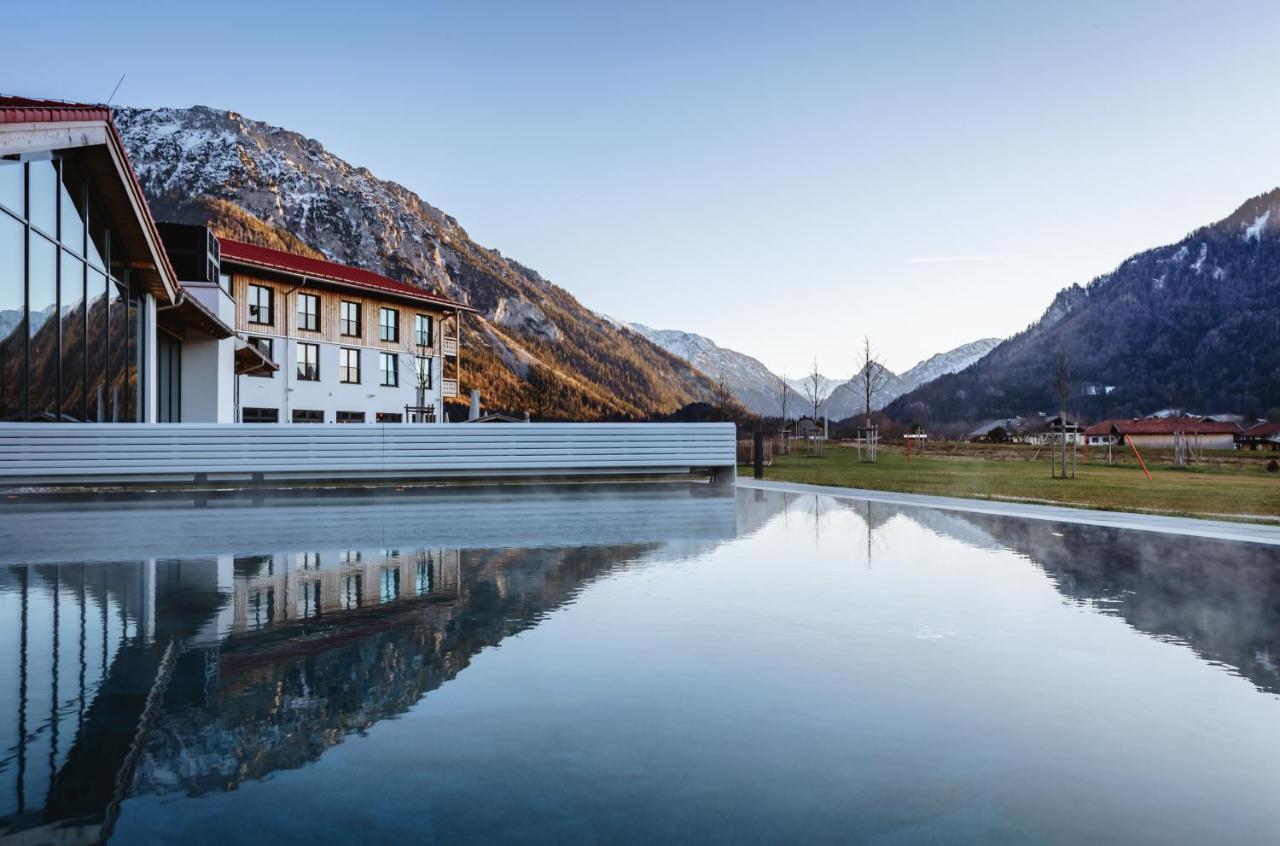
{"x": 194, "y": 675}
{"x": 307, "y": 585}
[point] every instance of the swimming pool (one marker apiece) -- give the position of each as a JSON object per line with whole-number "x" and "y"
{"x": 628, "y": 664}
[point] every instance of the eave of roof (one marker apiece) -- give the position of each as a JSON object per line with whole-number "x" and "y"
{"x": 321, "y": 270}
{"x": 27, "y": 110}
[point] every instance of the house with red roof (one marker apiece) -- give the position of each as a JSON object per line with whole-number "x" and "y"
{"x": 107, "y": 315}
{"x": 352, "y": 346}
{"x": 1261, "y": 435}
{"x": 1164, "y": 432}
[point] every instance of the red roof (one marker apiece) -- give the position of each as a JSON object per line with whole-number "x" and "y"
{"x": 239, "y": 252}
{"x": 1262, "y": 430}
{"x": 28, "y": 110}
{"x": 1102, "y": 428}
{"x": 1169, "y": 425}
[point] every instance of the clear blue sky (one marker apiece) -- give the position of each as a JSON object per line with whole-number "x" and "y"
{"x": 771, "y": 174}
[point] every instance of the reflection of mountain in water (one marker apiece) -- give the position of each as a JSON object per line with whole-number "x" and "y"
{"x": 291, "y": 692}
{"x": 193, "y": 674}
{"x": 1220, "y": 598}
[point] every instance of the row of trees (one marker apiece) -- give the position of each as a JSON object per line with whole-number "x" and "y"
{"x": 871, "y": 378}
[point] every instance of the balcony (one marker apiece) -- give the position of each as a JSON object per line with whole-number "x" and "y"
{"x": 449, "y": 347}
{"x": 449, "y": 387}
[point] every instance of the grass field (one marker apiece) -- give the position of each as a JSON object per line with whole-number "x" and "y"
{"x": 1225, "y": 492}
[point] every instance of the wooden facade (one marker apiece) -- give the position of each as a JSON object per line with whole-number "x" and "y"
{"x": 285, "y": 315}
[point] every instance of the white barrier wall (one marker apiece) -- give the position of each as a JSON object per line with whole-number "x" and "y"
{"x": 34, "y": 453}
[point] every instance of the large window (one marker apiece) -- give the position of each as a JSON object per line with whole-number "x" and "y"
{"x": 309, "y": 312}
{"x": 350, "y": 417}
{"x": 260, "y": 302}
{"x": 266, "y": 346}
{"x": 388, "y": 370}
{"x": 70, "y": 322}
{"x": 389, "y": 417}
{"x": 422, "y": 330}
{"x": 349, "y": 322}
{"x": 389, "y": 324}
{"x": 303, "y": 415}
{"x": 308, "y": 362}
{"x": 422, "y": 371}
{"x": 349, "y": 366}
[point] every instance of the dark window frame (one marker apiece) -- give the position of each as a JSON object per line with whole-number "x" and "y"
{"x": 345, "y": 369}
{"x": 272, "y": 413}
{"x": 389, "y": 330}
{"x": 308, "y": 370}
{"x": 308, "y": 320}
{"x": 393, "y": 371}
{"x": 423, "y": 337}
{"x": 307, "y": 415}
{"x": 257, "y": 341}
{"x": 349, "y": 417}
{"x": 256, "y": 308}
{"x": 345, "y": 323}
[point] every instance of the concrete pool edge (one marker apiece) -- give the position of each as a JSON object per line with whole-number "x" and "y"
{"x": 1218, "y": 529}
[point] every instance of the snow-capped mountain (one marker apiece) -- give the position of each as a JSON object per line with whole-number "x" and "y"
{"x": 265, "y": 184}
{"x": 1195, "y": 323}
{"x": 757, "y": 387}
{"x": 754, "y": 385}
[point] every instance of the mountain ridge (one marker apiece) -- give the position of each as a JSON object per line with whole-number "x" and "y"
{"x": 263, "y": 183}
{"x": 1195, "y": 323}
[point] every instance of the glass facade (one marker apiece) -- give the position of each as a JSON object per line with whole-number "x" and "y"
{"x": 70, "y": 325}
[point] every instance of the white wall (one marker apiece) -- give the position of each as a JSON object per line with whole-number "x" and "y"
{"x": 286, "y": 393}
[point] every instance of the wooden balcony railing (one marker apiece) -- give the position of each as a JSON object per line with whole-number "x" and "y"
{"x": 449, "y": 387}
{"x": 449, "y": 346}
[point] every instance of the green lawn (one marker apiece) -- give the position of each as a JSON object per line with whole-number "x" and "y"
{"x": 1240, "y": 493}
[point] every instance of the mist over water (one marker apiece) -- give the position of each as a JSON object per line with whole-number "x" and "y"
{"x": 627, "y": 664}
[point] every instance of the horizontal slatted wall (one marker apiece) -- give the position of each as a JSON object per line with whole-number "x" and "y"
{"x": 66, "y": 451}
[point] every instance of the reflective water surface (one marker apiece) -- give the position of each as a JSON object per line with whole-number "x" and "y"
{"x": 631, "y": 664}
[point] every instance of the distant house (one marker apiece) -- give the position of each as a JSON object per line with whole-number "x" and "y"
{"x": 808, "y": 428}
{"x": 1040, "y": 430}
{"x": 1008, "y": 427}
{"x": 1101, "y": 434}
{"x": 1260, "y": 436}
{"x": 1161, "y": 432}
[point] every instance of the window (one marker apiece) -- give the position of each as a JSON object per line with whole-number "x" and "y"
{"x": 350, "y": 417}
{"x": 349, "y": 366}
{"x": 259, "y": 415}
{"x": 389, "y": 369}
{"x": 422, "y": 330}
{"x": 422, "y": 371}
{"x": 307, "y": 416}
{"x": 349, "y": 324}
{"x": 72, "y": 328}
{"x": 260, "y": 302}
{"x": 389, "y": 324}
{"x": 389, "y": 417}
{"x": 267, "y": 347}
{"x": 309, "y": 362}
{"x": 309, "y": 312}
{"x": 308, "y": 560}
{"x": 390, "y": 584}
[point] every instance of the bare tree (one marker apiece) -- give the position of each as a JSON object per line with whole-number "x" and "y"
{"x": 1062, "y": 387}
{"x": 872, "y": 377}
{"x": 786, "y": 396}
{"x": 723, "y": 401}
{"x": 816, "y": 389}
{"x": 422, "y": 380}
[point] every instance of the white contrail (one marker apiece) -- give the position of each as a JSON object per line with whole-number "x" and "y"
{"x": 1010, "y": 256}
